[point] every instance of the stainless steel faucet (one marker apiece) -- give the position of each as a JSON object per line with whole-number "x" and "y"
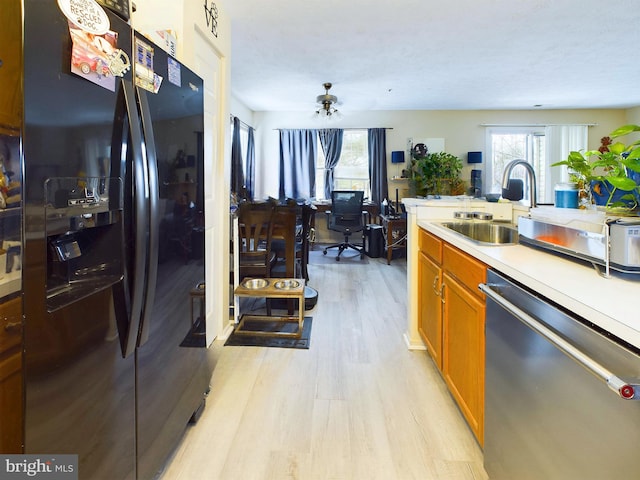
{"x": 532, "y": 178}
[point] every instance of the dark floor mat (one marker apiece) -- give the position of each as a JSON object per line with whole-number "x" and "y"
{"x": 245, "y": 340}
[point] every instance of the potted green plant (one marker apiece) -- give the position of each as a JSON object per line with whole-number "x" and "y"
{"x": 435, "y": 173}
{"x": 609, "y": 176}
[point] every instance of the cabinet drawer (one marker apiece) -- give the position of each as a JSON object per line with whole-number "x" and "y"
{"x": 430, "y": 245}
{"x": 10, "y": 324}
{"x": 466, "y": 269}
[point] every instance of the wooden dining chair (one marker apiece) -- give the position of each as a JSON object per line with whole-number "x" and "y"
{"x": 292, "y": 228}
{"x": 255, "y": 229}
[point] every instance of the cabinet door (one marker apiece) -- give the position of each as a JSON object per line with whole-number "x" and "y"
{"x": 430, "y": 307}
{"x": 463, "y": 351}
{"x": 11, "y": 401}
{"x": 11, "y": 404}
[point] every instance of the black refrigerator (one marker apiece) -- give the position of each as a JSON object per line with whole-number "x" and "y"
{"x": 115, "y": 357}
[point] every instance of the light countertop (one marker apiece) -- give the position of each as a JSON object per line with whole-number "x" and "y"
{"x": 610, "y": 303}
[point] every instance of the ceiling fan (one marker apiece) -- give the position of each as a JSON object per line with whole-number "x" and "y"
{"x": 326, "y": 103}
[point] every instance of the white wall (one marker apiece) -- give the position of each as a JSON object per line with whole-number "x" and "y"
{"x": 240, "y": 110}
{"x": 462, "y": 130}
{"x": 633, "y": 115}
{"x": 153, "y": 15}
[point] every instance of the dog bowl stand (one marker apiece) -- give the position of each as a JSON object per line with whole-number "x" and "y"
{"x": 287, "y": 288}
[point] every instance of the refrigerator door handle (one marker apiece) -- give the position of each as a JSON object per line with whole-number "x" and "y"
{"x": 154, "y": 220}
{"x": 126, "y": 311}
{"x": 138, "y": 175}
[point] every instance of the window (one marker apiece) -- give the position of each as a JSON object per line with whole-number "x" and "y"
{"x": 541, "y": 146}
{"x": 511, "y": 143}
{"x": 352, "y": 171}
{"x": 244, "y": 147}
{"x": 244, "y": 143}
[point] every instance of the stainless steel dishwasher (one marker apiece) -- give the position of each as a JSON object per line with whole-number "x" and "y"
{"x": 561, "y": 398}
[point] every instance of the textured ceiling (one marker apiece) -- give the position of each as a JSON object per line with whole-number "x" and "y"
{"x": 435, "y": 54}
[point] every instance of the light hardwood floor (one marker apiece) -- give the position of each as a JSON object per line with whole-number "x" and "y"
{"x": 357, "y": 405}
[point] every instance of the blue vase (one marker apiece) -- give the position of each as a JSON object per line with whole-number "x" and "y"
{"x": 635, "y": 176}
{"x": 605, "y": 188}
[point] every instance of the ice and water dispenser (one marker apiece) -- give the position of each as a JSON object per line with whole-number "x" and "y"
{"x": 84, "y": 237}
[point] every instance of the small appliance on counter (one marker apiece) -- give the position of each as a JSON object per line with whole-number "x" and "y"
{"x": 605, "y": 241}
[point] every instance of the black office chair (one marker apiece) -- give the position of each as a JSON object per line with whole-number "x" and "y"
{"x": 346, "y": 217}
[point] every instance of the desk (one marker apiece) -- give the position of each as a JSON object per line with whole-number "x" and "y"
{"x": 371, "y": 208}
{"x": 395, "y": 234}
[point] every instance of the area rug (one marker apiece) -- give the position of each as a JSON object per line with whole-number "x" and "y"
{"x": 244, "y": 340}
{"x": 348, "y": 257}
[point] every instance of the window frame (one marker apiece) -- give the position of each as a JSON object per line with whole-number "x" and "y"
{"x": 537, "y": 159}
{"x": 351, "y": 180}
{"x": 244, "y": 146}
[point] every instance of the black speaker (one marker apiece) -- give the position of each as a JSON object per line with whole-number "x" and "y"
{"x": 474, "y": 157}
{"x": 476, "y": 183}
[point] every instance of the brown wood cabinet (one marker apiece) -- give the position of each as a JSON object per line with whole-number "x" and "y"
{"x": 430, "y": 300}
{"x": 11, "y": 404}
{"x": 11, "y": 73}
{"x": 451, "y": 322}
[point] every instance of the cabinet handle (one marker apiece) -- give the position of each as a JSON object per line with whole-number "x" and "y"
{"x": 435, "y": 283}
{"x": 442, "y": 292}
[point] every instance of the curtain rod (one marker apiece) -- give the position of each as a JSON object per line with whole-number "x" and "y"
{"x": 350, "y": 128}
{"x": 536, "y": 124}
{"x": 241, "y": 122}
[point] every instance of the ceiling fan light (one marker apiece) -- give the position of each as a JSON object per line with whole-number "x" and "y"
{"x": 326, "y": 102}
{"x": 326, "y": 98}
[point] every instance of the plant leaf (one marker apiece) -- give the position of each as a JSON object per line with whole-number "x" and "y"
{"x": 617, "y": 148}
{"x": 622, "y": 183}
{"x": 632, "y": 163}
{"x": 624, "y": 130}
{"x": 604, "y": 162}
{"x": 633, "y": 154}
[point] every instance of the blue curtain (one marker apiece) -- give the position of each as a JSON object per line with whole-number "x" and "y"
{"x": 377, "y": 139}
{"x": 298, "y": 153}
{"x": 237, "y": 175}
{"x": 251, "y": 166}
{"x": 331, "y": 143}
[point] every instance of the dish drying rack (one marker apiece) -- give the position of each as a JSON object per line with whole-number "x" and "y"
{"x": 583, "y": 234}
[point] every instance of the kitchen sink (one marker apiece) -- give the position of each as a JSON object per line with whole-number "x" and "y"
{"x": 486, "y": 233}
